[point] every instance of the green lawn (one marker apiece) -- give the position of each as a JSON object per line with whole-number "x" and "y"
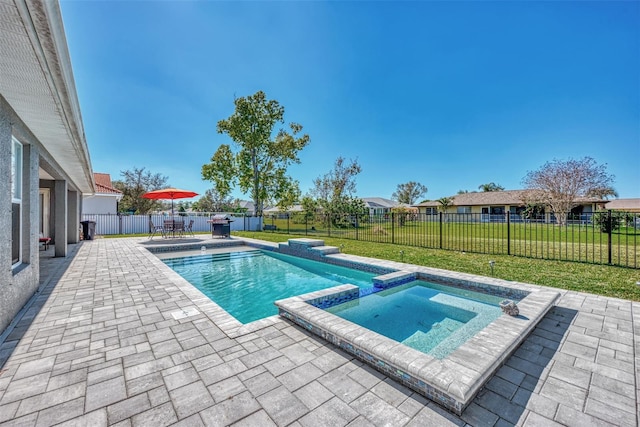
{"x": 535, "y": 240}
{"x": 597, "y": 279}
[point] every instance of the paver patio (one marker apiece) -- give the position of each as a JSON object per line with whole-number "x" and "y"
{"x": 116, "y": 338}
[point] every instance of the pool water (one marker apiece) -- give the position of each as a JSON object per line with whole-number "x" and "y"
{"x": 431, "y": 318}
{"x": 246, "y": 284}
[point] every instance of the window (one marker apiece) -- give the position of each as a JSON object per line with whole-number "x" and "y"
{"x": 464, "y": 209}
{"x": 431, "y": 211}
{"x": 16, "y": 202}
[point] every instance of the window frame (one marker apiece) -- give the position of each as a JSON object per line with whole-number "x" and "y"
{"x": 463, "y": 210}
{"x": 16, "y": 180}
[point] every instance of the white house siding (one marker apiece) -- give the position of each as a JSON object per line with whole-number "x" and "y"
{"x": 99, "y": 204}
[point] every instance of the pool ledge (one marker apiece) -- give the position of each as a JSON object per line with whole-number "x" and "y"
{"x": 453, "y": 381}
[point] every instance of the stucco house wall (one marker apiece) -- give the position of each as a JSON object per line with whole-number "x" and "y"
{"x": 39, "y": 110}
{"x": 17, "y": 285}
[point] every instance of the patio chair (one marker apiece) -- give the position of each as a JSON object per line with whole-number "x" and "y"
{"x": 45, "y": 241}
{"x": 189, "y": 228}
{"x": 153, "y": 229}
{"x": 178, "y": 227}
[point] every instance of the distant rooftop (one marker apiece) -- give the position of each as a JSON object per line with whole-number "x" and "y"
{"x": 103, "y": 184}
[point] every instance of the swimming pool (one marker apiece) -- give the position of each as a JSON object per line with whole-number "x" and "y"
{"x": 452, "y": 381}
{"x": 430, "y": 318}
{"x": 246, "y": 284}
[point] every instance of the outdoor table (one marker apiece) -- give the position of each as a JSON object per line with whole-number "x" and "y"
{"x": 171, "y": 226}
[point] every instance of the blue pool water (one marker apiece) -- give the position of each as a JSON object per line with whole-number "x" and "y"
{"x": 246, "y": 284}
{"x": 431, "y": 318}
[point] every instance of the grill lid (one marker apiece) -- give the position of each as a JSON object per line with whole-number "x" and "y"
{"x": 221, "y": 219}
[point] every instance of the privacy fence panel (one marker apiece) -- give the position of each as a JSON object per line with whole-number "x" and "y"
{"x": 110, "y": 224}
{"x": 605, "y": 237}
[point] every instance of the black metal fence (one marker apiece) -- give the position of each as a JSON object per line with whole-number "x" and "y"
{"x": 606, "y": 237}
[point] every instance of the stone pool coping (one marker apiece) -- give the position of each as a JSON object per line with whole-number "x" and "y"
{"x": 453, "y": 381}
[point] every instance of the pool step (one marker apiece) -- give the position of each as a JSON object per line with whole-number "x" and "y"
{"x": 326, "y": 250}
{"x": 304, "y": 242}
{"x": 209, "y": 258}
{"x": 393, "y": 279}
{"x": 303, "y": 247}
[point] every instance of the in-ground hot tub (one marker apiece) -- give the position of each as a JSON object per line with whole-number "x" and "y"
{"x": 451, "y": 380}
{"x": 430, "y": 318}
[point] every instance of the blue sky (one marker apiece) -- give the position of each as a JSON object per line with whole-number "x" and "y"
{"x": 450, "y": 94}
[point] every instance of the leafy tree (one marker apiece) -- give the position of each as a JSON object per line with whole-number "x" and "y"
{"x": 211, "y": 201}
{"x": 601, "y": 219}
{"x": 401, "y": 214}
{"x": 133, "y": 185}
{"x": 603, "y": 193}
{"x": 560, "y": 183}
{"x": 287, "y": 194}
{"x": 533, "y": 210}
{"x": 335, "y": 191}
{"x": 409, "y": 192}
{"x": 260, "y": 164}
{"x": 338, "y": 183}
{"x": 463, "y": 191}
{"x": 310, "y": 207}
{"x": 445, "y": 202}
{"x": 492, "y": 186}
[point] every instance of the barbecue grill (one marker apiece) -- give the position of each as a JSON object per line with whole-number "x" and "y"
{"x": 220, "y": 225}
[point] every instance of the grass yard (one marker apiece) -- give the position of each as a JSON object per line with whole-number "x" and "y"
{"x": 597, "y": 279}
{"x": 576, "y": 242}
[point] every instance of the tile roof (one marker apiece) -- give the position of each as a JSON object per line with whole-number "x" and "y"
{"x": 103, "y": 184}
{"x": 629, "y": 205}
{"x": 379, "y": 202}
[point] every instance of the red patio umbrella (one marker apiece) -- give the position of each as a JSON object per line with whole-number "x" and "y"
{"x": 169, "y": 193}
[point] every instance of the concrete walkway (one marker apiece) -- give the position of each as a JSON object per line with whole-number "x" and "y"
{"x": 119, "y": 339}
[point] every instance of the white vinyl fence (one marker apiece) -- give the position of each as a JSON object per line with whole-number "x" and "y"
{"x": 138, "y": 224}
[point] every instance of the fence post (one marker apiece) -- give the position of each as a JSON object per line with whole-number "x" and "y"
{"x": 393, "y": 227}
{"x": 440, "y": 214}
{"x": 508, "y": 233}
{"x": 149, "y": 225}
{"x": 288, "y": 225}
{"x": 329, "y": 224}
{"x": 306, "y": 225}
{"x": 609, "y": 236}
{"x": 357, "y": 225}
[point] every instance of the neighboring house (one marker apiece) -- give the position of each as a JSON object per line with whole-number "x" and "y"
{"x": 626, "y": 205}
{"x": 378, "y": 205}
{"x": 276, "y": 212}
{"x": 44, "y": 158}
{"x": 492, "y": 205}
{"x": 247, "y": 206}
{"x": 105, "y": 199}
